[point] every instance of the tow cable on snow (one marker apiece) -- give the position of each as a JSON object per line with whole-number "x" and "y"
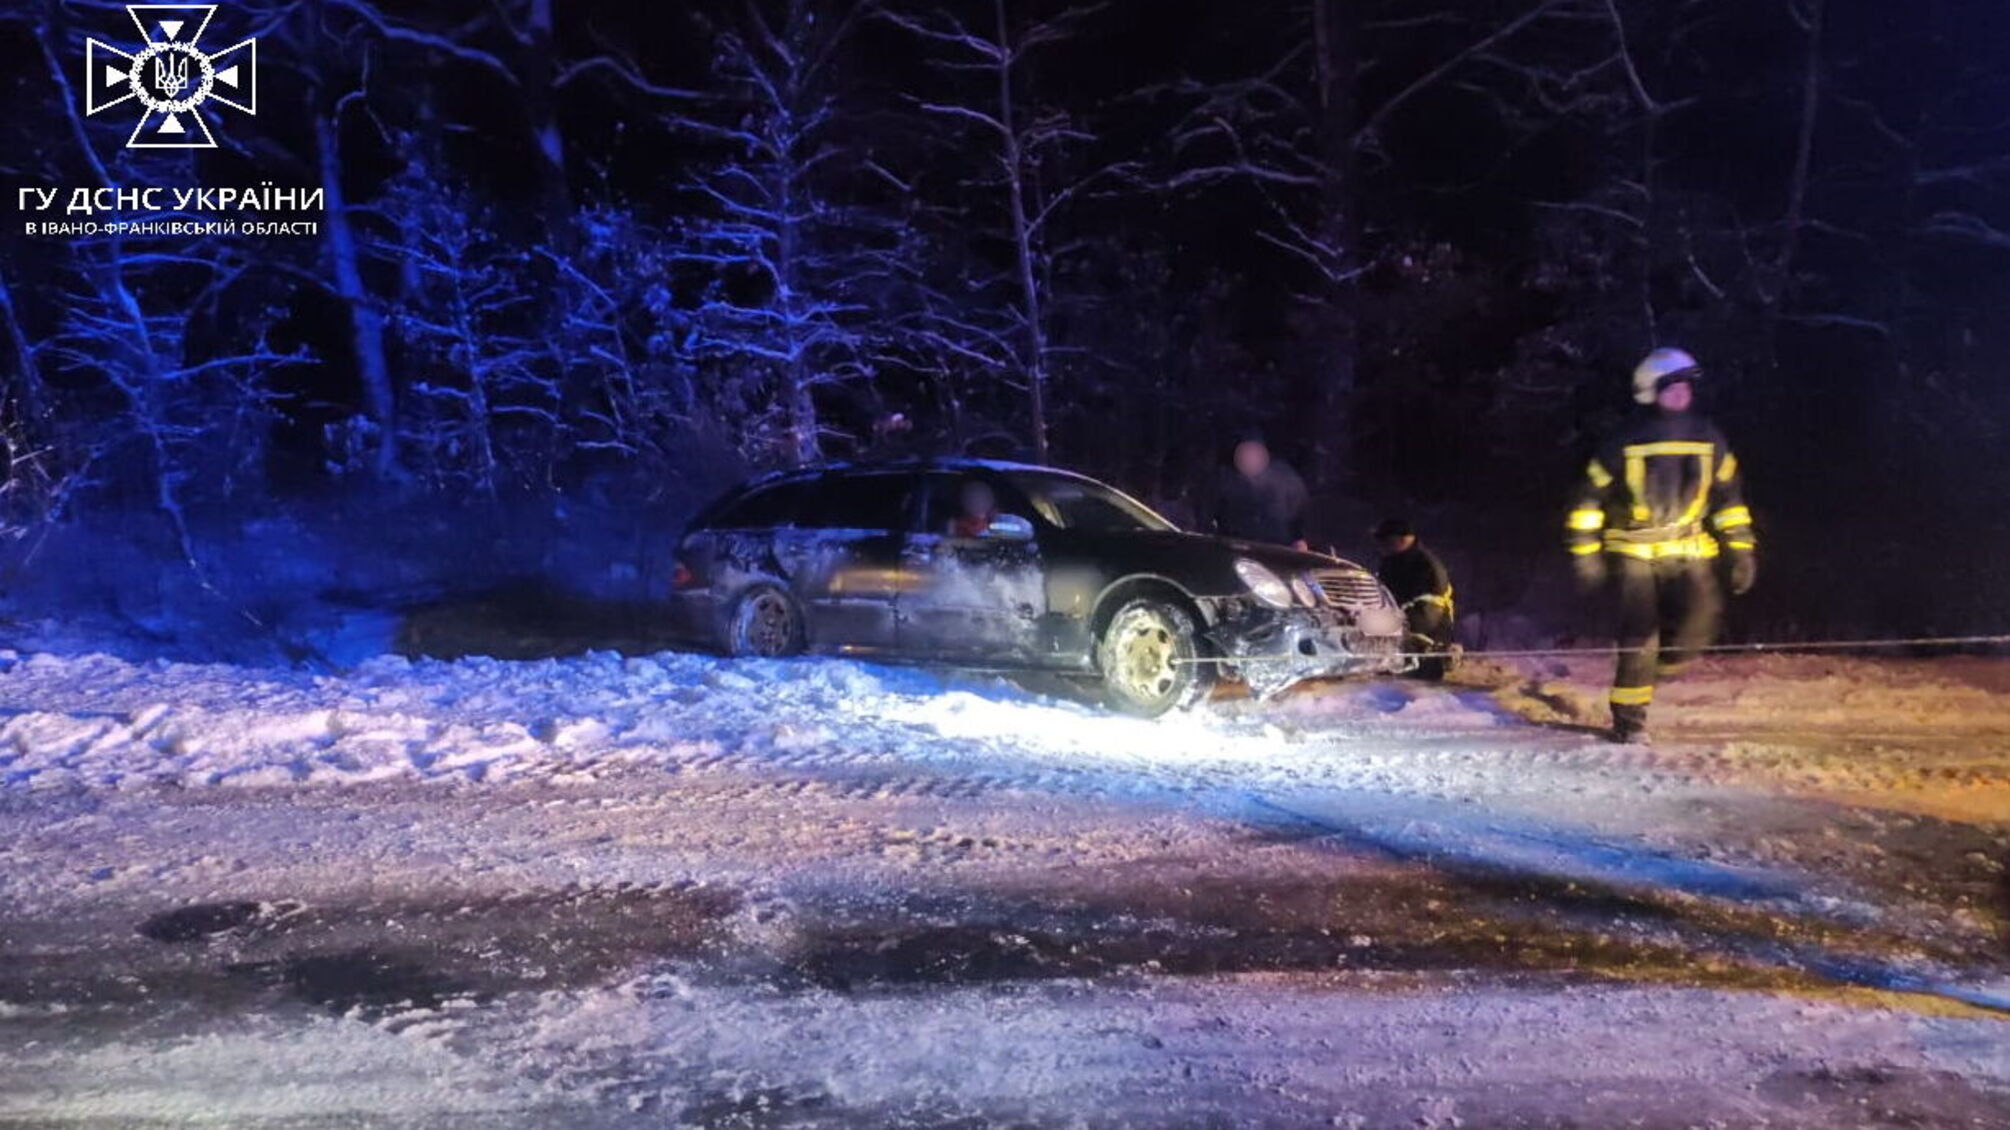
{"x": 1719, "y": 648}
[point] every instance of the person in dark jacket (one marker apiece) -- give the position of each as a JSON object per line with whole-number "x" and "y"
{"x": 1260, "y": 498}
{"x": 1422, "y": 586}
{"x": 1659, "y": 504}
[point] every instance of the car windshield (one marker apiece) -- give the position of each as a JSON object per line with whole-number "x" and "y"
{"x": 1079, "y": 504}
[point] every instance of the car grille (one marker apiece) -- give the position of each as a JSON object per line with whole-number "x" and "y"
{"x": 1349, "y": 588}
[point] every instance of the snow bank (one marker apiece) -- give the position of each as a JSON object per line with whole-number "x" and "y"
{"x": 102, "y": 722}
{"x": 99, "y": 721}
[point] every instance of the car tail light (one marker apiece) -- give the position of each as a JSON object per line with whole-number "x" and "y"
{"x": 681, "y": 576}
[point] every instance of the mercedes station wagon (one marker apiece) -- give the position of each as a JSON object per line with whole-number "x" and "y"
{"x": 1008, "y": 566}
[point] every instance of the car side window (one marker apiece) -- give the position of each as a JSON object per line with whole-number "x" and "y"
{"x": 942, "y": 501}
{"x": 859, "y": 502}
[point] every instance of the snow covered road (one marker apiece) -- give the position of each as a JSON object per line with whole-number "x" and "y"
{"x": 675, "y": 890}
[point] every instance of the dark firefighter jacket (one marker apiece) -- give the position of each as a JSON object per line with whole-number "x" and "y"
{"x": 1416, "y": 576}
{"x": 1268, "y": 508}
{"x": 1667, "y": 485}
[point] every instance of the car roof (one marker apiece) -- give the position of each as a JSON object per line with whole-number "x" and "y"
{"x": 908, "y": 465}
{"x": 810, "y": 473}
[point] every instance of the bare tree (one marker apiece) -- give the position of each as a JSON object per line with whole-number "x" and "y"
{"x": 124, "y": 320}
{"x": 511, "y": 44}
{"x": 793, "y": 258}
{"x": 1032, "y": 157}
{"x": 1300, "y": 132}
{"x": 460, "y": 327}
{"x": 25, "y": 396}
{"x": 366, "y": 319}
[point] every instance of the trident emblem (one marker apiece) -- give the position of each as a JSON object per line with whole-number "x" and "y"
{"x": 171, "y": 74}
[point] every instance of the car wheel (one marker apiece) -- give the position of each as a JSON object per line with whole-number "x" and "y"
{"x": 766, "y": 624}
{"x": 1146, "y": 658}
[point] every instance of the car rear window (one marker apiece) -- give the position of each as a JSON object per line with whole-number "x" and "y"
{"x": 859, "y": 502}
{"x": 762, "y": 507}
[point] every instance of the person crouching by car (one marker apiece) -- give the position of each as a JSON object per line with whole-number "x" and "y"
{"x": 1422, "y": 586}
{"x": 1260, "y": 498}
{"x": 976, "y": 507}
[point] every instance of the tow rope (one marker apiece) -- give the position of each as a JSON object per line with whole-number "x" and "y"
{"x": 1718, "y": 648}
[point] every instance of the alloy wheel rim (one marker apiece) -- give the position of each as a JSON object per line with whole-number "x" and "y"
{"x": 769, "y": 625}
{"x": 1145, "y": 652}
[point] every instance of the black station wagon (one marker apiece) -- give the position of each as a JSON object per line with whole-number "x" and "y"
{"x": 1000, "y": 565}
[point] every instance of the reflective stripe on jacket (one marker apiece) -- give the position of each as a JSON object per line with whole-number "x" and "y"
{"x": 1666, "y": 485}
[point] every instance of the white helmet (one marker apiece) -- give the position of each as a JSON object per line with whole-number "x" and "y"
{"x": 1662, "y": 368}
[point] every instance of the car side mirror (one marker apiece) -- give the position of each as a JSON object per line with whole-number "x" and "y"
{"x": 1010, "y": 527}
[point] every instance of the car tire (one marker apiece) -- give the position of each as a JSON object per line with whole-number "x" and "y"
{"x": 1144, "y": 658}
{"x": 766, "y": 623}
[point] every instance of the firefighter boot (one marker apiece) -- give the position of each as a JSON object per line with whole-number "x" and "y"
{"x": 1629, "y": 725}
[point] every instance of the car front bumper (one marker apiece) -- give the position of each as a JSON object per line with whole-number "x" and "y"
{"x": 1273, "y": 649}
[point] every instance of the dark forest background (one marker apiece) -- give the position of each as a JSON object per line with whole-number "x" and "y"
{"x": 586, "y": 262}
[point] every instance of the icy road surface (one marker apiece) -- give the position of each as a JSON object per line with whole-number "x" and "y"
{"x": 679, "y": 891}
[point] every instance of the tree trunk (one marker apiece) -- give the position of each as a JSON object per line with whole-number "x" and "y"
{"x": 366, "y": 323}
{"x": 800, "y": 405}
{"x": 1650, "y": 222}
{"x": 30, "y": 402}
{"x": 1332, "y": 371}
{"x": 1651, "y": 109}
{"x": 539, "y": 71}
{"x": 1804, "y": 148}
{"x": 466, "y": 353}
{"x": 1024, "y": 250}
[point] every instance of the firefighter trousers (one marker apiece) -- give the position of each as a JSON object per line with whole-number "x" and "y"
{"x": 1668, "y": 608}
{"x": 1430, "y": 624}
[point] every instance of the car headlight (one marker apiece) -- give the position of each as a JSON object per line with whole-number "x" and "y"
{"x": 1264, "y": 585}
{"x": 1306, "y": 592}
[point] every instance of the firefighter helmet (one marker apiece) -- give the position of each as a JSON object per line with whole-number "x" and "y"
{"x": 1388, "y": 529}
{"x": 1662, "y": 368}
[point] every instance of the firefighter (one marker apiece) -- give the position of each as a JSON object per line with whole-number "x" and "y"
{"x": 1660, "y": 502}
{"x": 1260, "y": 498}
{"x": 1421, "y": 585}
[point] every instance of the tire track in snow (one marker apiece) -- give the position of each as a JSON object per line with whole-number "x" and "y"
{"x": 1445, "y": 837}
